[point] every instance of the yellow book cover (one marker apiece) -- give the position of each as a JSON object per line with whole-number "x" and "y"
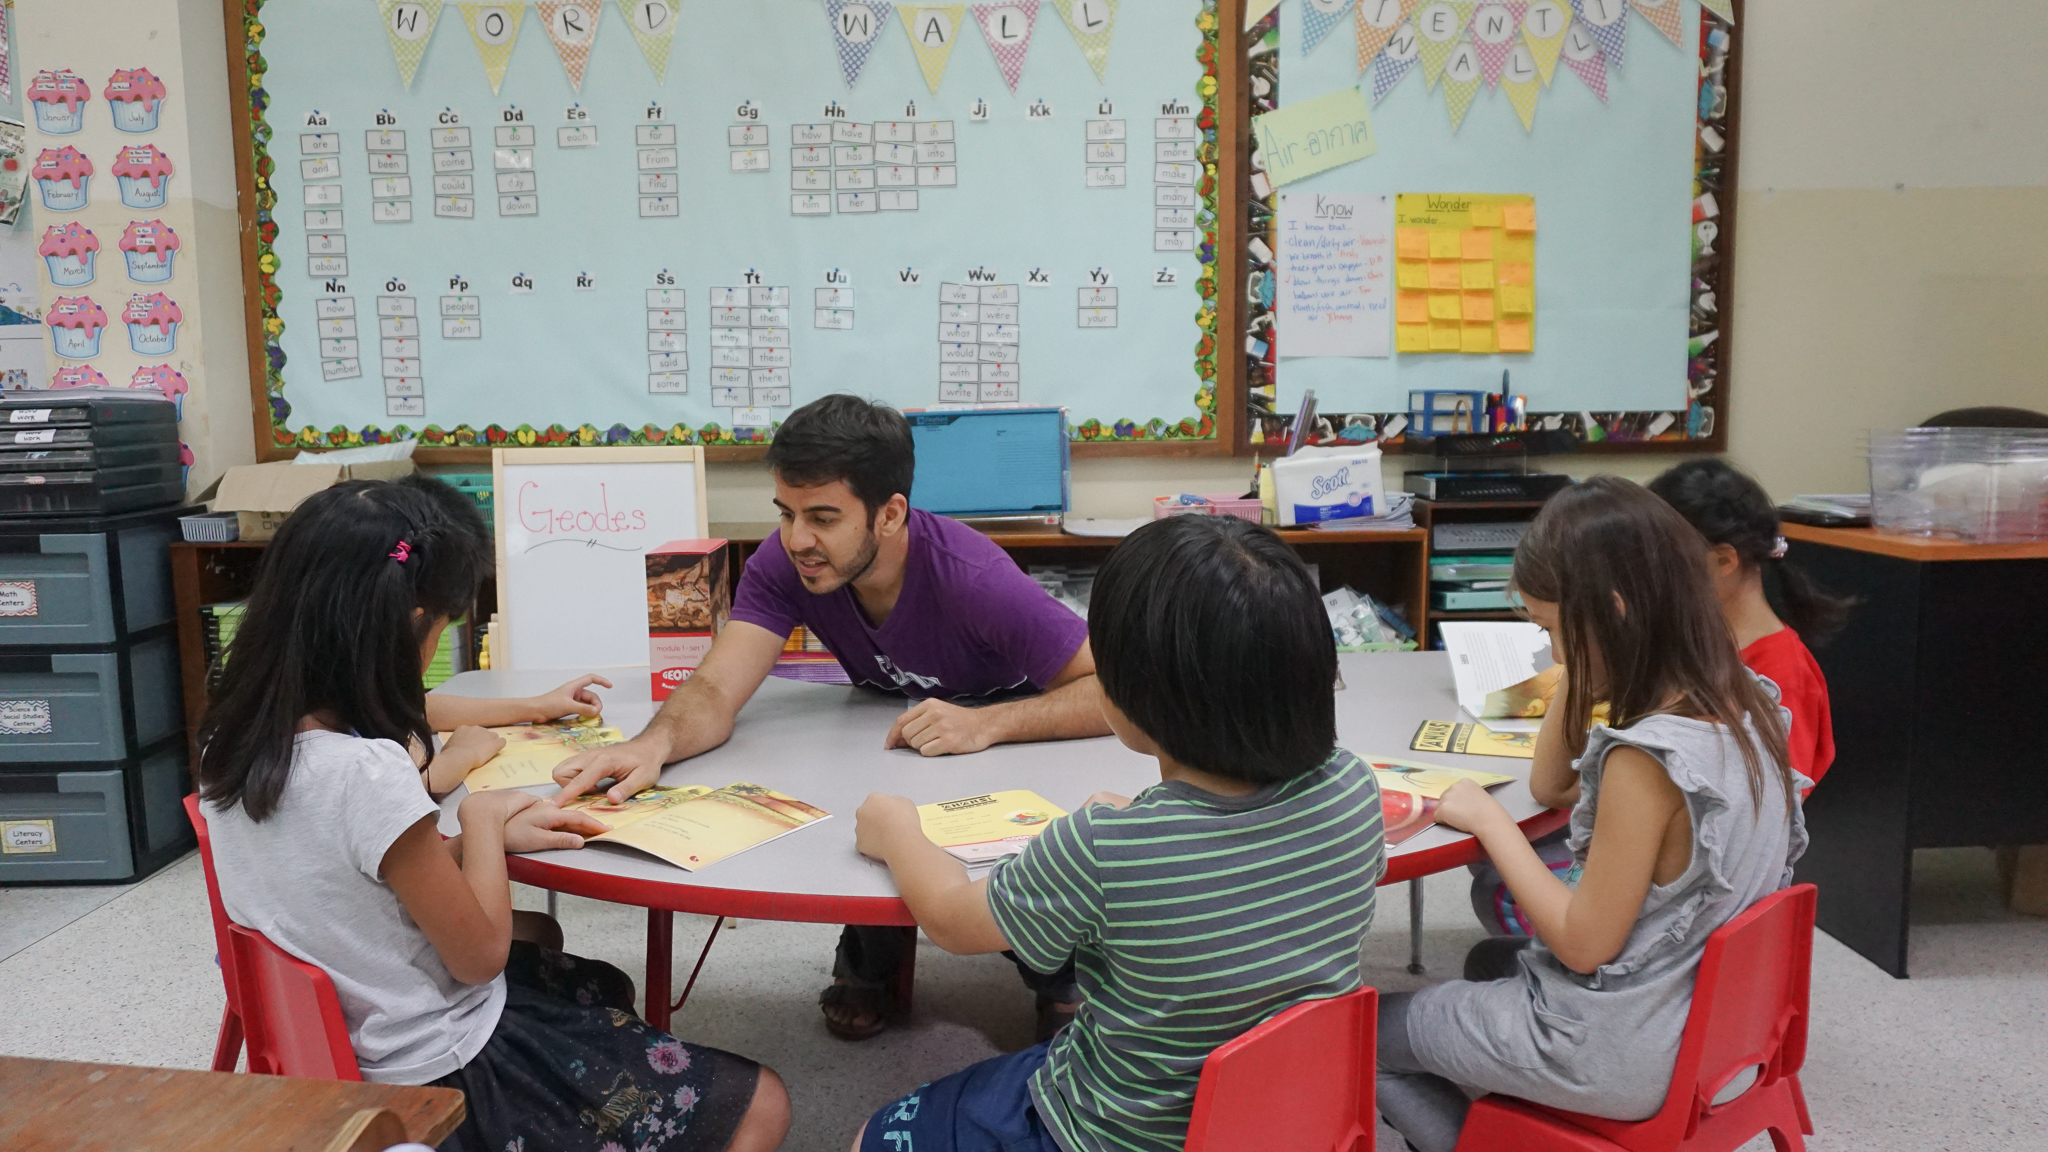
{"x": 694, "y": 827}
{"x": 1472, "y": 739}
{"x": 532, "y": 751}
{"x": 982, "y": 829}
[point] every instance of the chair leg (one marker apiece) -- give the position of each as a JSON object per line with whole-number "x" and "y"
{"x": 227, "y": 1050}
{"x": 1799, "y": 1104}
{"x": 1415, "y": 926}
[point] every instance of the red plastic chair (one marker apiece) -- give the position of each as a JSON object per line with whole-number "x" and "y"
{"x": 284, "y": 1009}
{"x": 1318, "y": 1057}
{"x": 1748, "y": 1012}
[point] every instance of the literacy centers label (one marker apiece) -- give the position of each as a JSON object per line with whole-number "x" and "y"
{"x": 27, "y": 837}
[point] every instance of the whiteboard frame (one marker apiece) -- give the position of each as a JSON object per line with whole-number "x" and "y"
{"x": 507, "y": 634}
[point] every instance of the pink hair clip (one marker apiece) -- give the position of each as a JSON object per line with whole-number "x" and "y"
{"x": 403, "y": 552}
{"x": 1779, "y": 548}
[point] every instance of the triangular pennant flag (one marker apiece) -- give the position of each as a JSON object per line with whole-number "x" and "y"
{"x": 410, "y": 25}
{"x": 1376, "y": 22}
{"x": 1543, "y": 27}
{"x": 1582, "y": 55}
{"x": 1461, "y": 80}
{"x": 1662, "y": 15}
{"x": 1256, "y": 10}
{"x": 856, "y": 25}
{"x": 1317, "y": 18}
{"x": 1394, "y": 61}
{"x": 932, "y": 28}
{"x": 1493, "y": 36}
{"x": 572, "y": 28}
{"x": 1519, "y": 80}
{"x": 495, "y": 29}
{"x": 1439, "y": 25}
{"x": 653, "y": 24}
{"x": 1092, "y": 22}
{"x": 1007, "y": 28}
{"x": 1607, "y": 20}
{"x": 1725, "y": 9}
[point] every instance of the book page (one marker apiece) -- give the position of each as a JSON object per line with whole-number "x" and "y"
{"x": 1428, "y": 780}
{"x": 532, "y": 751}
{"x": 1501, "y": 668}
{"x": 703, "y": 830}
{"x": 635, "y": 808}
{"x": 977, "y": 829}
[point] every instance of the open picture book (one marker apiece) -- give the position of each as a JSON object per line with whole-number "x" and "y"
{"x": 1502, "y": 668}
{"x": 532, "y": 751}
{"x": 1409, "y": 792}
{"x": 980, "y": 830}
{"x": 692, "y": 826}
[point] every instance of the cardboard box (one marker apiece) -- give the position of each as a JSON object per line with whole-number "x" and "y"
{"x": 689, "y": 596}
{"x": 1318, "y": 484}
{"x": 262, "y": 495}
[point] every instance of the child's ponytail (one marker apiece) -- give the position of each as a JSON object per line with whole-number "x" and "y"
{"x": 1727, "y": 507}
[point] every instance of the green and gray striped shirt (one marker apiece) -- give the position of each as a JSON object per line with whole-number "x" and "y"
{"x": 1191, "y": 918}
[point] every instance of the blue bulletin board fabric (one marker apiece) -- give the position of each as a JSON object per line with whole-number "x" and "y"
{"x": 1613, "y": 184}
{"x": 568, "y": 360}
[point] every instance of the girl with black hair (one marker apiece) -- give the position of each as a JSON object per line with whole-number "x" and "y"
{"x": 1745, "y": 560}
{"x": 324, "y": 841}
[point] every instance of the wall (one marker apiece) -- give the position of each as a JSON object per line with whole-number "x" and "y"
{"x": 1890, "y": 257}
{"x": 182, "y": 43}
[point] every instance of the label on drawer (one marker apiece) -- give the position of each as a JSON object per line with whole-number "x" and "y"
{"x": 29, "y": 416}
{"x": 27, "y": 837}
{"x": 17, "y": 597}
{"x": 25, "y": 718}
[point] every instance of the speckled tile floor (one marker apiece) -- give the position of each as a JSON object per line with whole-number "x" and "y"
{"x": 1954, "y": 1060}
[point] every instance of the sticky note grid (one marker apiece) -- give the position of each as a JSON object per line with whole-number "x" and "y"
{"x": 1464, "y": 273}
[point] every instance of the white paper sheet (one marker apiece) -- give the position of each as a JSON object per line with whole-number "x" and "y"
{"x": 1336, "y": 276}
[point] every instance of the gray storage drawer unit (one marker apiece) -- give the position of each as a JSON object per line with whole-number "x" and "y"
{"x": 79, "y": 582}
{"x": 88, "y": 706}
{"x": 95, "y": 822}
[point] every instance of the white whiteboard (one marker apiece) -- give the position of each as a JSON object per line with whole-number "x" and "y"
{"x": 573, "y": 526}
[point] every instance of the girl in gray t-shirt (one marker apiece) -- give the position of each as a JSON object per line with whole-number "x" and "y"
{"x": 325, "y": 842}
{"x": 1684, "y": 813}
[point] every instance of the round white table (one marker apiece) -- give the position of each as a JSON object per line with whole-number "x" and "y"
{"x": 823, "y": 744}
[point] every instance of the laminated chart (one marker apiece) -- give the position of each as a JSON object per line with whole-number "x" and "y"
{"x": 1464, "y": 272}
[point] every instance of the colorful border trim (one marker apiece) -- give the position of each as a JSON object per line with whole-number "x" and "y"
{"x": 1193, "y": 428}
{"x": 1710, "y": 277}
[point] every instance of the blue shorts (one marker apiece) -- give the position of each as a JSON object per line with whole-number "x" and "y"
{"x": 983, "y": 1108}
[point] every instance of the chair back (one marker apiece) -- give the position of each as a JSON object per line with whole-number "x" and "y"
{"x": 1749, "y": 1005}
{"x": 289, "y": 1010}
{"x": 1300, "y": 1082}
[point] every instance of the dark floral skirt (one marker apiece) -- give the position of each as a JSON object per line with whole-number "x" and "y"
{"x": 572, "y": 1068}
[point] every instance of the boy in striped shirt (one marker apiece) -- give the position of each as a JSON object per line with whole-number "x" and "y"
{"x": 1238, "y": 886}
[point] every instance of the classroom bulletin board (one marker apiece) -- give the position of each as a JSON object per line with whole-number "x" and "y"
{"x": 633, "y": 222}
{"x": 1456, "y": 189}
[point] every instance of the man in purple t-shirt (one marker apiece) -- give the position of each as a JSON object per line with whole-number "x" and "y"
{"x": 911, "y": 604}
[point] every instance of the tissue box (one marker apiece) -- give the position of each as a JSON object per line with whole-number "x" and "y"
{"x": 1318, "y": 484}
{"x": 689, "y": 596}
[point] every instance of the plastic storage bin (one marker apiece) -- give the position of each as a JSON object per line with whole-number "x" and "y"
{"x": 84, "y": 706}
{"x": 475, "y": 485}
{"x": 98, "y": 823}
{"x": 1986, "y": 485}
{"x": 76, "y": 582}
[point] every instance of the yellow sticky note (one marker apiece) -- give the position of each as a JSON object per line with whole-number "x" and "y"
{"x": 1444, "y": 276}
{"x": 1446, "y": 336}
{"x": 1411, "y": 337}
{"x": 1476, "y": 244}
{"x": 1518, "y": 215}
{"x": 1521, "y": 249}
{"x": 1444, "y": 244}
{"x": 1443, "y": 306}
{"x": 1517, "y": 272}
{"x": 1476, "y": 338}
{"x": 1411, "y": 274}
{"x": 1514, "y": 335}
{"x": 1411, "y": 243}
{"x": 1476, "y": 274}
{"x": 1486, "y": 214}
{"x": 1411, "y": 308}
{"x": 1478, "y": 306}
{"x": 1516, "y": 300}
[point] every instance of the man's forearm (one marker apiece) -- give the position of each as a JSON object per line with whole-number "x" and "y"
{"x": 691, "y": 722}
{"x": 1069, "y": 712}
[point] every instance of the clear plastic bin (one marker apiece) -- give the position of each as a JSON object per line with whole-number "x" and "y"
{"x": 1985, "y": 485}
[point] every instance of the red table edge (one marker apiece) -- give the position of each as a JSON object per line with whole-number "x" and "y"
{"x": 890, "y": 910}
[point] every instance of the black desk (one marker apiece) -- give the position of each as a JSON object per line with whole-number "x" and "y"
{"x": 1939, "y": 688}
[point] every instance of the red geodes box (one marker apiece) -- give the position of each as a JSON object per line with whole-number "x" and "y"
{"x": 689, "y": 595}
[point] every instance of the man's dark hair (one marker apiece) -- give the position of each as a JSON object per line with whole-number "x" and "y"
{"x": 843, "y": 437}
{"x": 1209, "y": 634}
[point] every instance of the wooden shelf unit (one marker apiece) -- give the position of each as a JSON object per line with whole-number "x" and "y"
{"x": 1430, "y": 513}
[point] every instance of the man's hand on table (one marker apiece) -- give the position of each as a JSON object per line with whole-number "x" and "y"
{"x": 634, "y": 765}
{"x": 936, "y": 728}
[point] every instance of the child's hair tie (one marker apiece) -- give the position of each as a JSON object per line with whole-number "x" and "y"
{"x": 403, "y": 552}
{"x": 1779, "y": 548}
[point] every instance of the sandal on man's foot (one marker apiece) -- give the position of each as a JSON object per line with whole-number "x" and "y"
{"x": 856, "y": 1011}
{"x": 1053, "y": 1015}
